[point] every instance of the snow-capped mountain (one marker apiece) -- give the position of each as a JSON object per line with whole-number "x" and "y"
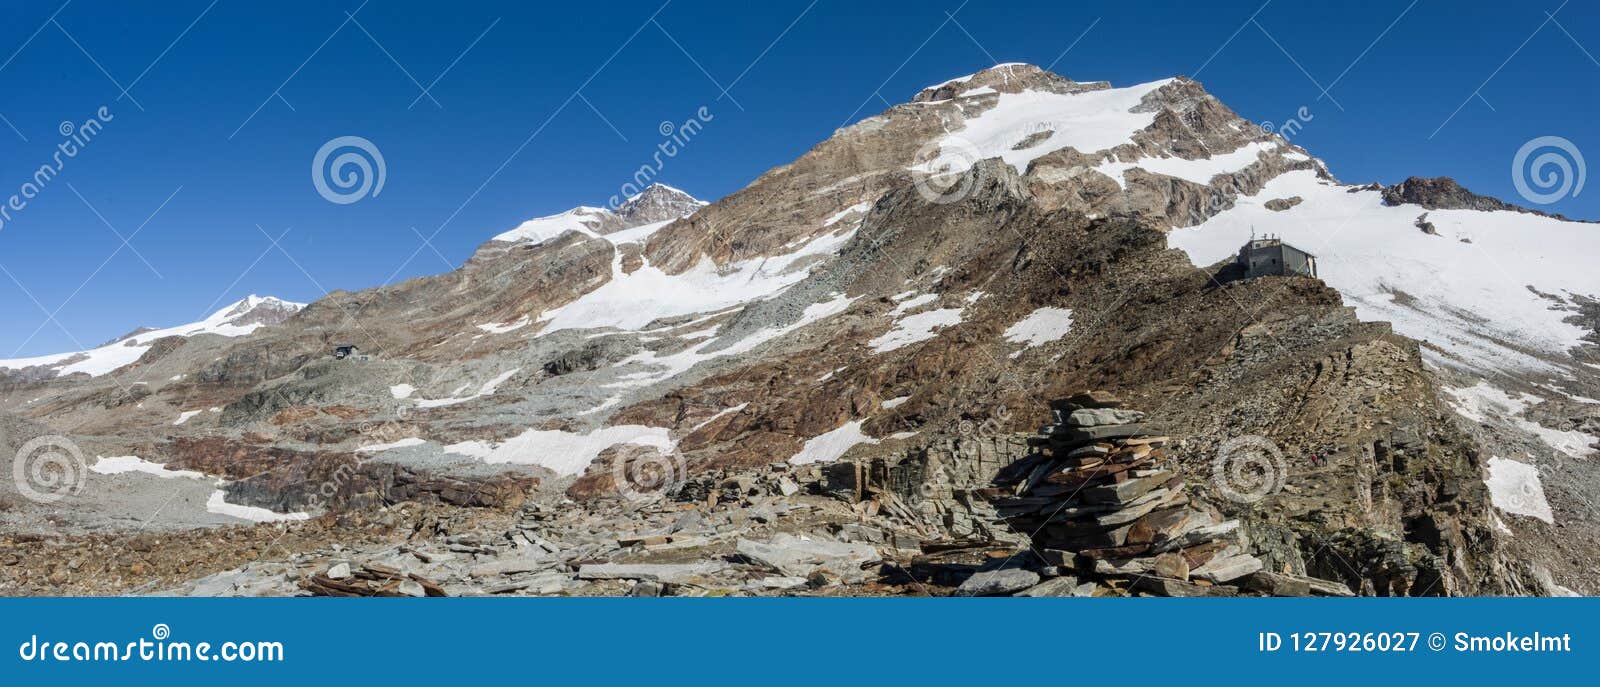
{"x": 656, "y": 204}
{"x": 236, "y": 319}
{"x": 952, "y": 263}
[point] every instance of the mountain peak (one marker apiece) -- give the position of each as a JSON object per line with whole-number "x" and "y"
{"x": 256, "y": 310}
{"x": 1009, "y": 77}
{"x": 658, "y": 203}
{"x": 1444, "y": 193}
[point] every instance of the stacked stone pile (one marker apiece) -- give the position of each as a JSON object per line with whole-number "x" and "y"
{"x": 1101, "y": 502}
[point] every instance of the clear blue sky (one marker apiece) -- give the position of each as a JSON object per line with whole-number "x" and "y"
{"x": 455, "y": 167}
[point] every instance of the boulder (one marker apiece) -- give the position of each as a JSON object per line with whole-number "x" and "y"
{"x": 998, "y": 582}
{"x": 1170, "y": 565}
{"x": 1277, "y": 584}
{"x": 655, "y": 572}
{"x": 1228, "y": 569}
{"x": 798, "y": 556}
{"x": 1161, "y": 586}
{"x": 1097, "y": 417}
{"x": 513, "y": 565}
{"x": 1056, "y": 586}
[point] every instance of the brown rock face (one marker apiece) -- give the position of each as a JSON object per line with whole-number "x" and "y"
{"x": 1443, "y": 193}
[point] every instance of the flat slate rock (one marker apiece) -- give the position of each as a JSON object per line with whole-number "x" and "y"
{"x": 1087, "y": 399}
{"x": 1220, "y": 570}
{"x": 1055, "y": 586}
{"x": 1162, "y": 586}
{"x": 1098, "y": 417}
{"x": 655, "y": 572}
{"x": 998, "y": 582}
{"x": 798, "y": 557}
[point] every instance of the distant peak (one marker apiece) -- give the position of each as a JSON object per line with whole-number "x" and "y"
{"x": 1444, "y": 193}
{"x": 658, "y": 203}
{"x": 1007, "y": 77}
{"x": 262, "y": 309}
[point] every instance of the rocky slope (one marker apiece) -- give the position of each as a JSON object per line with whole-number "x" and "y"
{"x": 867, "y": 335}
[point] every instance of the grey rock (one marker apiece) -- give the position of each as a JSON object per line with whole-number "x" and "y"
{"x": 1162, "y": 586}
{"x": 339, "y": 572}
{"x": 511, "y": 566}
{"x": 1097, "y": 417}
{"x": 777, "y": 583}
{"x": 412, "y": 588}
{"x": 998, "y": 582}
{"x": 1220, "y": 570}
{"x": 658, "y": 572}
{"x": 798, "y": 557}
{"x": 1059, "y": 586}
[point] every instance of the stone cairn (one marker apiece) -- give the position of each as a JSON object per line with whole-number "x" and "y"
{"x": 1101, "y": 502}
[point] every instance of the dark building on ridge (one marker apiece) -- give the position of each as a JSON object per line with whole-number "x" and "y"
{"x": 1271, "y": 256}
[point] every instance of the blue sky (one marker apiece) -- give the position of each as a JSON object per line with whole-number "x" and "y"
{"x": 532, "y": 109}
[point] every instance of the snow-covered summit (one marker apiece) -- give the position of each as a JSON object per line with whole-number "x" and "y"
{"x": 590, "y": 221}
{"x": 235, "y": 319}
{"x": 658, "y": 203}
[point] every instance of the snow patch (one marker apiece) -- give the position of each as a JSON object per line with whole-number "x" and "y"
{"x": 1039, "y": 327}
{"x": 828, "y": 447}
{"x": 720, "y": 413}
{"x": 1483, "y": 401}
{"x": 1198, "y": 171}
{"x": 858, "y": 207}
{"x": 674, "y": 364}
{"x": 503, "y": 327}
{"x": 1515, "y": 488}
{"x": 913, "y": 304}
{"x": 633, "y": 300}
{"x": 583, "y": 219}
{"x": 185, "y": 415}
{"x": 565, "y": 453}
{"x": 913, "y": 328}
{"x": 1090, "y": 121}
{"x": 218, "y": 503}
{"x": 117, "y": 465}
{"x": 486, "y": 389}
